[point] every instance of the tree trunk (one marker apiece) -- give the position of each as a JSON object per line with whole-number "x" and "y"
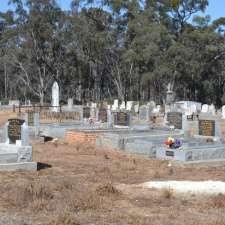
{"x": 41, "y": 95}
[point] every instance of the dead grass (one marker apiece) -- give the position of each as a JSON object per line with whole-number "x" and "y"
{"x": 107, "y": 189}
{"x": 65, "y": 219}
{"x": 167, "y": 193}
{"x": 218, "y": 201}
{"x": 83, "y": 188}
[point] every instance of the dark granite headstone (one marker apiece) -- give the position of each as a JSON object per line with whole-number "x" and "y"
{"x": 207, "y": 127}
{"x": 175, "y": 119}
{"x": 121, "y": 119}
{"x": 103, "y": 115}
{"x": 86, "y": 112}
{"x": 14, "y": 130}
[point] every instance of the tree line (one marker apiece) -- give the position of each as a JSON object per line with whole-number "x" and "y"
{"x": 106, "y": 49}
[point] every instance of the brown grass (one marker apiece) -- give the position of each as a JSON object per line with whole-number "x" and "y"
{"x": 218, "y": 201}
{"x": 88, "y": 185}
{"x": 65, "y": 219}
{"x": 167, "y": 193}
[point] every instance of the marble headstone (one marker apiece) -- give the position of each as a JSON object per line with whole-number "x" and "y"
{"x": 223, "y": 112}
{"x": 70, "y": 103}
{"x": 55, "y": 97}
{"x": 205, "y": 108}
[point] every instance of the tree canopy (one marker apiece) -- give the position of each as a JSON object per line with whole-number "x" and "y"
{"x": 126, "y": 49}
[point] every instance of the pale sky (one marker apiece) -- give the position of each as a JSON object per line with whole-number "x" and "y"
{"x": 216, "y": 8}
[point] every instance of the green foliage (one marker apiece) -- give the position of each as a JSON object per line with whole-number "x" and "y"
{"x": 126, "y": 49}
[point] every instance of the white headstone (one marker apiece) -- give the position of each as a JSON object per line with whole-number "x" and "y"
{"x": 115, "y": 105}
{"x": 129, "y": 105}
{"x": 123, "y": 105}
{"x": 205, "y": 108}
{"x": 157, "y": 109}
{"x": 212, "y": 109}
{"x": 55, "y": 97}
{"x": 136, "y": 108}
{"x": 194, "y": 109}
{"x": 188, "y": 111}
{"x": 223, "y": 112}
{"x": 70, "y": 103}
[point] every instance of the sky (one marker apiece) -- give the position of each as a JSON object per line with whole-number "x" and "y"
{"x": 215, "y": 8}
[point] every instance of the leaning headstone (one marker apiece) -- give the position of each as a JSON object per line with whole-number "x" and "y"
{"x": 55, "y": 97}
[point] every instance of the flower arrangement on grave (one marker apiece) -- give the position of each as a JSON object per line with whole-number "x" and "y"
{"x": 173, "y": 143}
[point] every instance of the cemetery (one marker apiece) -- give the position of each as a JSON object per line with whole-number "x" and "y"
{"x": 112, "y": 112}
{"x": 111, "y": 152}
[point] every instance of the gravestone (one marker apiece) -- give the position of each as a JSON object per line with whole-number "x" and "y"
{"x": 136, "y": 108}
{"x": 86, "y": 112}
{"x": 122, "y": 119}
{"x": 15, "y": 130}
{"x": 223, "y": 112}
{"x": 175, "y": 119}
{"x": 129, "y": 105}
{"x": 123, "y": 105}
{"x": 70, "y": 103}
{"x": 207, "y": 127}
{"x": 205, "y": 108}
{"x": 115, "y": 105}
{"x": 16, "y": 153}
{"x": 144, "y": 113}
{"x": 30, "y": 118}
{"x": 212, "y": 109}
{"x": 103, "y": 115}
{"x": 55, "y": 97}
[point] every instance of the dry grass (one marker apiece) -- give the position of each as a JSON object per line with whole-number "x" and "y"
{"x": 87, "y": 185}
{"x": 167, "y": 193}
{"x": 218, "y": 201}
{"x": 65, "y": 219}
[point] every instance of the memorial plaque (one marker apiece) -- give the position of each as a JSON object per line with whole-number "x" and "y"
{"x": 103, "y": 115}
{"x": 175, "y": 119}
{"x": 170, "y": 153}
{"x": 207, "y": 127}
{"x": 30, "y": 118}
{"x": 86, "y": 112}
{"x": 121, "y": 119}
{"x": 14, "y": 130}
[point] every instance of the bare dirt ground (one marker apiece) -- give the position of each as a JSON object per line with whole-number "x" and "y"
{"x": 86, "y": 185}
